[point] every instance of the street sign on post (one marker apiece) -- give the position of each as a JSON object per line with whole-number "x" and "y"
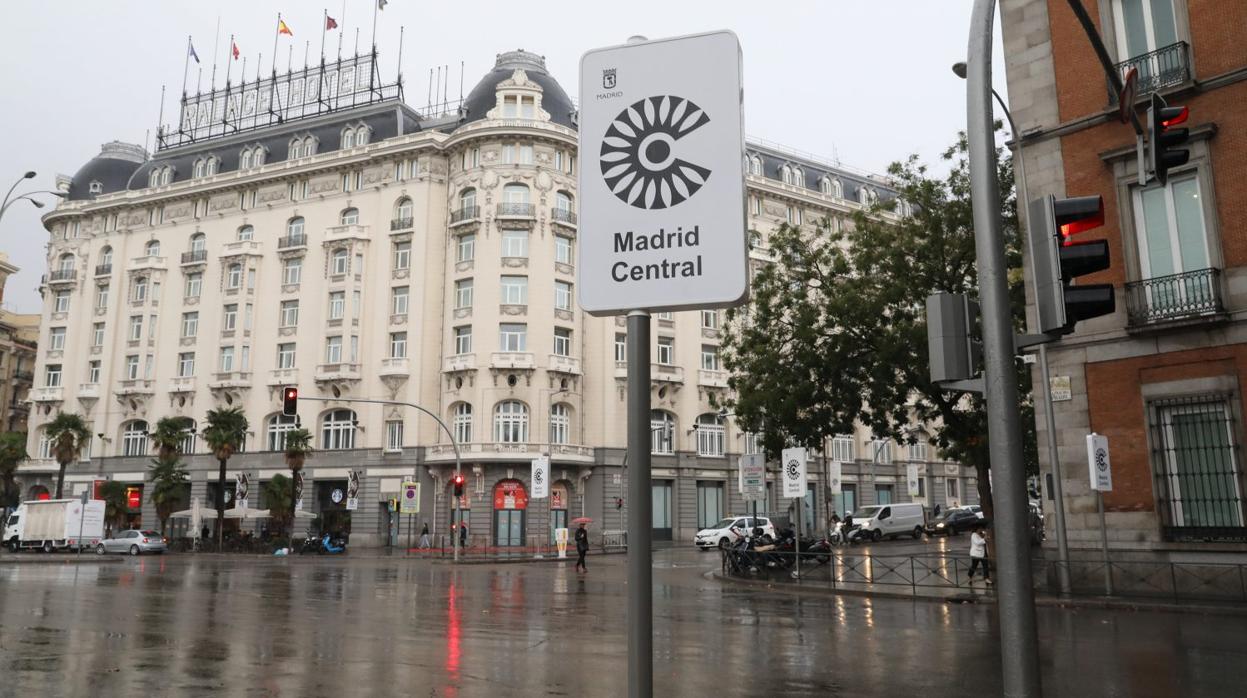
{"x": 753, "y": 477}
{"x": 662, "y": 184}
{"x": 835, "y": 477}
{"x": 1101, "y": 469}
{"x": 541, "y": 478}
{"x": 911, "y": 477}
{"x": 793, "y": 472}
{"x": 409, "y": 503}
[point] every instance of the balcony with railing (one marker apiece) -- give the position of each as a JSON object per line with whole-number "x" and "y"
{"x": 136, "y": 386}
{"x": 563, "y": 216}
{"x": 522, "y": 360}
{"x": 395, "y": 366}
{"x": 62, "y": 276}
{"x": 564, "y": 364}
{"x": 1165, "y": 67}
{"x": 194, "y": 257}
{"x": 47, "y": 394}
{"x": 402, "y": 224}
{"x": 666, "y": 373}
{"x": 283, "y": 376}
{"x": 241, "y": 247}
{"x": 231, "y": 379}
{"x": 182, "y": 384}
{"x": 509, "y": 209}
{"x": 88, "y": 391}
{"x": 23, "y": 376}
{"x": 1184, "y": 297}
{"x": 289, "y": 242}
{"x": 497, "y": 450}
{"x": 346, "y": 232}
{"x": 103, "y": 269}
{"x": 146, "y": 262}
{"x": 712, "y": 378}
{"x": 466, "y": 214}
{"x": 337, "y": 372}
{"x": 459, "y": 362}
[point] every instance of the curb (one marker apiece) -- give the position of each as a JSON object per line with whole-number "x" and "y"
{"x": 1071, "y": 603}
{"x": 91, "y": 559}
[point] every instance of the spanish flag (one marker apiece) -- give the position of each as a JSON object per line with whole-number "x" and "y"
{"x": 283, "y": 29}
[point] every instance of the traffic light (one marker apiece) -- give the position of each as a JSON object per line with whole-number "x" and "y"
{"x": 290, "y": 401}
{"x": 1163, "y": 139}
{"x": 1059, "y": 259}
{"x": 458, "y": 480}
{"x": 952, "y": 327}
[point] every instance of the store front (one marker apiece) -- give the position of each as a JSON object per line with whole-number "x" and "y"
{"x": 510, "y": 507}
{"x": 215, "y": 498}
{"x": 558, "y": 509}
{"x": 331, "y": 503}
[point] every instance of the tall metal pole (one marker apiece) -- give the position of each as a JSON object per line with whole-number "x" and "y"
{"x": 640, "y": 576}
{"x": 1108, "y": 565}
{"x": 1018, "y": 639}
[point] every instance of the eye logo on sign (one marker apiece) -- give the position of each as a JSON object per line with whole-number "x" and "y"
{"x": 538, "y": 477}
{"x": 793, "y": 469}
{"x": 638, "y": 154}
{"x": 1101, "y": 460}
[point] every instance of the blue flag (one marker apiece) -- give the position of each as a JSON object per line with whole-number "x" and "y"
{"x": 192, "y": 49}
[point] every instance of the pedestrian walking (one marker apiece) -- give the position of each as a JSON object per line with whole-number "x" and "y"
{"x": 206, "y": 533}
{"x": 463, "y": 534}
{"x": 582, "y": 548}
{"x": 424, "y": 535}
{"x": 937, "y": 512}
{"x": 978, "y": 555}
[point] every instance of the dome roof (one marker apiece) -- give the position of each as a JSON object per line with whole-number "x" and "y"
{"x": 554, "y": 100}
{"x": 112, "y": 168}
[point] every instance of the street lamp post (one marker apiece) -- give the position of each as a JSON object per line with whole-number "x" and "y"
{"x": 9, "y": 199}
{"x": 1049, "y": 415}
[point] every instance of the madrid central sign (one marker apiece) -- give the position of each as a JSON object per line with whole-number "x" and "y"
{"x": 662, "y": 183}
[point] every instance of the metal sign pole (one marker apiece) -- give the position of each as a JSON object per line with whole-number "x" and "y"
{"x": 1108, "y": 566}
{"x": 640, "y": 574}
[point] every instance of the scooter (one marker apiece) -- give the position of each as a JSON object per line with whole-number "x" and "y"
{"x": 332, "y": 546}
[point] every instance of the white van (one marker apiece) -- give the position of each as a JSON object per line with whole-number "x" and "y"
{"x": 891, "y": 520}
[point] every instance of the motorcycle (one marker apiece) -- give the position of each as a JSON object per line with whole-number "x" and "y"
{"x": 325, "y": 545}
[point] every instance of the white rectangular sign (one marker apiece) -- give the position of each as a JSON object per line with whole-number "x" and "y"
{"x": 792, "y": 472}
{"x": 242, "y": 487}
{"x": 352, "y": 490}
{"x": 1098, "y": 464}
{"x": 911, "y": 477}
{"x": 409, "y": 502}
{"x": 753, "y": 477}
{"x": 662, "y": 182}
{"x": 835, "y": 477}
{"x": 1061, "y": 388}
{"x": 541, "y": 478}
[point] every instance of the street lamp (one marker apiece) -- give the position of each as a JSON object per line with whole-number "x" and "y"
{"x": 959, "y": 69}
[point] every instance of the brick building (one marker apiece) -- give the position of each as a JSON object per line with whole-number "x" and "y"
{"x": 1163, "y": 376}
{"x": 18, "y": 334}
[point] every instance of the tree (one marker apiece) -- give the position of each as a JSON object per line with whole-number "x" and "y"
{"x": 168, "y": 473}
{"x": 12, "y": 453}
{"x": 116, "y": 505}
{"x": 279, "y": 502}
{"x": 225, "y": 433}
{"x": 69, "y": 434}
{"x": 838, "y": 320}
{"x": 298, "y": 446}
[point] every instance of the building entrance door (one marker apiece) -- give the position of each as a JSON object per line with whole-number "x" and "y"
{"x": 510, "y": 504}
{"x": 661, "y": 500}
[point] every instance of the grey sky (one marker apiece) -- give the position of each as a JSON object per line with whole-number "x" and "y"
{"x": 867, "y": 81}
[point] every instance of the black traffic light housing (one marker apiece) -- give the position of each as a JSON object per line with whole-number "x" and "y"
{"x": 290, "y": 401}
{"x": 458, "y": 481}
{"x": 1053, "y": 223}
{"x": 1163, "y": 139}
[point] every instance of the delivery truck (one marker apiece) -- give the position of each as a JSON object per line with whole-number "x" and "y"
{"x": 53, "y": 524}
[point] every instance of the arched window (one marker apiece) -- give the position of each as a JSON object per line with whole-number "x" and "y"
{"x": 563, "y": 201}
{"x": 662, "y": 431}
{"x": 403, "y": 209}
{"x": 361, "y": 135}
{"x": 134, "y": 439}
{"x": 863, "y": 197}
{"x": 166, "y": 175}
{"x": 152, "y": 248}
{"x": 515, "y": 194}
{"x": 65, "y": 263}
{"x": 200, "y": 167}
{"x": 45, "y": 445}
{"x": 295, "y": 149}
{"x": 106, "y": 255}
{"x": 349, "y": 216}
{"x": 309, "y": 146}
{"x": 276, "y": 429}
{"x": 872, "y": 196}
{"x": 294, "y": 226}
{"x": 467, "y": 199}
{"x": 233, "y": 275}
{"x": 755, "y": 165}
{"x": 560, "y": 424}
{"x": 246, "y": 232}
{"x": 339, "y": 263}
{"x": 199, "y": 242}
{"x": 511, "y": 422}
{"x": 710, "y": 435}
{"x": 257, "y": 155}
{"x": 348, "y": 137}
{"x": 212, "y": 165}
{"x": 462, "y": 422}
{"x": 825, "y": 185}
{"x": 154, "y": 179}
{"x": 244, "y": 159}
{"x": 189, "y": 442}
{"x": 337, "y": 430}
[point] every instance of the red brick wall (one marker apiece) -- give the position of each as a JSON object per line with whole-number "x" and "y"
{"x": 1115, "y": 402}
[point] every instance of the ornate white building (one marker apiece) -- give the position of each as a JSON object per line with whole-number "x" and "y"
{"x": 372, "y": 251}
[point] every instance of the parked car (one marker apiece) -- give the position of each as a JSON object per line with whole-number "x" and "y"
{"x": 953, "y": 521}
{"x": 133, "y": 543}
{"x": 730, "y": 530}
{"x": 890, "y": 520}
{"x": 978, "y": 510}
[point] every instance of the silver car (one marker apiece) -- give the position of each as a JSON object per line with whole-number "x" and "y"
{"x": 133, "y": 542}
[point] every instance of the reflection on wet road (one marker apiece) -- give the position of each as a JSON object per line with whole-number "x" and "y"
{"x": 181, "y": 625}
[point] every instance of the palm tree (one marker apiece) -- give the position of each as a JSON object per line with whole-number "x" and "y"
{"x": 298, "y": 447}
{"x": 115, "y": 503}
{"x": 69, "y": 435}
{"x": 167, "y": 471}
{"x": 12, "y": 453}
{"x": 227, "y": 428}
{"x": 277, "y": 499}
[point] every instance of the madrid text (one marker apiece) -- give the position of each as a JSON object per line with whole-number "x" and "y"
{"x": 662, "y": 240}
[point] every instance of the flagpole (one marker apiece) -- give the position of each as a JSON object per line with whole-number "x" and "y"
{"x": 186, "y": 63}
{"x": 229, "y": 65}
{"x": 324, "y": 29}
{"x": 341, "y": 30}
{"x": 276, "y": 35}
{"x": 400, "y": 61}
{"x": 376, "y": 5}
{"x": 307, "y": 46}
{"x": 160, "y": 120}
{"x": 216, "y": 46}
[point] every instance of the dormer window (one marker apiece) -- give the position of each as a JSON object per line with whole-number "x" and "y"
{"x": 205, "y": 167}
{"x": 166, "y": 175}
{"x": 95, "y": 187}
{"x": 361, "y": 135}
{"x": 755, "y": 166}
{"x": 212, "y": 164}
{"x": 348, "y": 138}
{"x": 302, "y": 147}
{"x": 251, "y": 156}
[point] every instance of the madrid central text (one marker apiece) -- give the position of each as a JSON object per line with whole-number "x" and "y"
{"x": 671, "y": 268}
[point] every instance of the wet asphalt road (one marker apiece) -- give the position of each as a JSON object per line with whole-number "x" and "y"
{"x": 375, "y": 626}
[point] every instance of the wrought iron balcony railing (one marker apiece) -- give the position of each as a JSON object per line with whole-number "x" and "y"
{"x": 1165, "y": 67}
{"x": 103, "y": 269}
{"x": 1175, "y": 296}
{"x": 563, "y": 215}
{"x": 292, "y": 240}
{"x": 467, "y": 213}
{"x": 62, "y": 275}
{"x": 401, "y": 224}
{"x": 194, "y": 256}
{"x": 514, "y": 209}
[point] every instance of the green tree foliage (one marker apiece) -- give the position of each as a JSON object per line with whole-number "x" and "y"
{"x": 278, "y": 500}
{"x": 168, "y": 473}
{"x": 69, "y": 434}
{"x": 225, "y": 433}
{"x": 113, "y": 493}
{"x": 836, "y": 329}
{"x": 12, "y": 453}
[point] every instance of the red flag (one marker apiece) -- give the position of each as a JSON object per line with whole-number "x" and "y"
{"x": 234, "y": 46}
{"x": 330, "y": 23}
{"x": 283, "y": 29}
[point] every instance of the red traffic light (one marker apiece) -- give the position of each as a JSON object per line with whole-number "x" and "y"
{"x": 1179, "y": 118}
{"x": 290, "y": 401}
{"x": 458, "y": 479}
{"x": 1078, "y": 215}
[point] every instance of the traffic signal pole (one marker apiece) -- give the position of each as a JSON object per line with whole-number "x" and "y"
{"x": 640, "y": 522}
{"x": 1014, "y": 590}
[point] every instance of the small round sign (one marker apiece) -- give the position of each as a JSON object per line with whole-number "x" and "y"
{"x": 793, "y": 469}
{"x": 336, "y": 495}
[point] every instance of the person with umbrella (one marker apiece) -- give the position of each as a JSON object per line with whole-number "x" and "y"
{"x": 582, "y": 546}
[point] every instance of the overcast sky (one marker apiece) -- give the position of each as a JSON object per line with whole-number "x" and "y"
{"x": 864, "y": 81}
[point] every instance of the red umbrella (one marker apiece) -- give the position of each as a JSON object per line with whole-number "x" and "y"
{"x": 582, "y": 520}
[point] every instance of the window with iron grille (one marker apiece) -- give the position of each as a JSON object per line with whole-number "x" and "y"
{"x": 1199, "y": 485}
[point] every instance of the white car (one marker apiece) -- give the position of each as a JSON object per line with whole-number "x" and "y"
{"x": 978, "y": 510}
{"x": 729, "y": 531}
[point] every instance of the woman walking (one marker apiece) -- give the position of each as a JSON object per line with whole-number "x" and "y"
{"x": 582, "y": 547}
